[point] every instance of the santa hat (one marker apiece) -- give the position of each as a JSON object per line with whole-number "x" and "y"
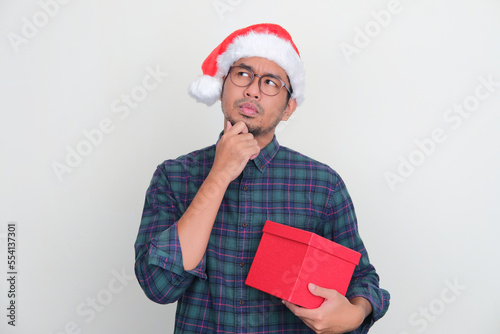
{"x": 264, "y": 40}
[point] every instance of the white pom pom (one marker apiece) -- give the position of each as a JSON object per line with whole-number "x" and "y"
{"x": 206, "y": 89}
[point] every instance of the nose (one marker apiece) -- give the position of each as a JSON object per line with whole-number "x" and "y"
{"x": 253, "y": 91}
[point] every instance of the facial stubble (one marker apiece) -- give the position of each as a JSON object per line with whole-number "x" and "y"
{"x": 255, "y": 129}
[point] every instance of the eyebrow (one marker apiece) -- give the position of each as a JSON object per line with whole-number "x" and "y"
{"x": 252, "y": 69}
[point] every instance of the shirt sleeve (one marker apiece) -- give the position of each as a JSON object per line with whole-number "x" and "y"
{"x": 365, "y": 280}
{"x": 158, "y": 257}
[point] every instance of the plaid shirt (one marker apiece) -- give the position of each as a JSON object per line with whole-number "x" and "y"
{"x": 279, "y": 185}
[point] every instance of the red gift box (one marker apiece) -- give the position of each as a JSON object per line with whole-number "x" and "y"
{"x": 289, "y": 258}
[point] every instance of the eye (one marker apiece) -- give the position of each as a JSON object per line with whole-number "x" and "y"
{"x": 270, "y": 81}
{"x": 243, "y": 74}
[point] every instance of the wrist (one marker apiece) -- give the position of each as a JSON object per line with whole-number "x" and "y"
{"x": 364, "y": 305}
{"x": 219, "y": 179}
{"x": 220, "y": 176}
{"x": 363, "y": 309}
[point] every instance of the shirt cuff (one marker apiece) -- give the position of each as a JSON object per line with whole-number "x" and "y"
{"x": 377, "y": 297}
{"x": 165, "y": 252}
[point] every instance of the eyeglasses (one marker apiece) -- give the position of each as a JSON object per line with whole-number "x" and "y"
{"x": 268, "y": 84}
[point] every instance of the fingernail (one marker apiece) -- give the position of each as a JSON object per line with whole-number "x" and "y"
{"x": 312, "y": 286}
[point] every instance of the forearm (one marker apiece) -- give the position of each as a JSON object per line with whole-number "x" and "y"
{"x": 368, "y": 288}
{"x": 363, "y": 304}
{"x": 233, "y": 151}
{"x": 171, "y": 242}
{"x": 195, "y": 225}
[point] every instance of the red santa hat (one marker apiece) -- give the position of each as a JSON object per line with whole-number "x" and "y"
{"x": 264, "y": 40}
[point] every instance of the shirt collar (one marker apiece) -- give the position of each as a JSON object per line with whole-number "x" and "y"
{"x": 266, "y": 155}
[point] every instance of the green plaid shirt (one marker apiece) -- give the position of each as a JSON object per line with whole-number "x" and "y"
{"x": 279, "y": 185}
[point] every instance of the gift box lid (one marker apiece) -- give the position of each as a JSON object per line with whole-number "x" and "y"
{"x": 313, "y": 240}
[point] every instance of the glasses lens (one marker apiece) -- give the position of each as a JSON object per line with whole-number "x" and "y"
{"x": 241, "y": 76}
{"x": 270, "y": 85}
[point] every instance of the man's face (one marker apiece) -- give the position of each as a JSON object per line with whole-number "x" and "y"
{"x": 261, "y": 113}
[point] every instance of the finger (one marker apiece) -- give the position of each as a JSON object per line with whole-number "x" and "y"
{"x": 291, "y": 307}
{"x": 253, "y": 146}
{"x": 320, "y": 291}
{"x": 236, "y": 129}
{"x": 331, "y": 296}
{"x": 297, "y": 310}
{"x": 231, "y": 128}
{"x": 249, "y": 147}
{"x": 241, "y": 127}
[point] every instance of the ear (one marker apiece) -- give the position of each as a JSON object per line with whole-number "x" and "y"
{"x": 222, "y": 89}
{"x": 290, "y": 108}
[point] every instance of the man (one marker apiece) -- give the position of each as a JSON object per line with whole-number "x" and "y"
{"x": 204, "y": 212}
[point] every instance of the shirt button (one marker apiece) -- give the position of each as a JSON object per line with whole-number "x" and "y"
{"x": 245, "y": 188}
{"x": 242, "y": 264}
{"x": 245, "y": 224}
{"x": 242, "y": 302}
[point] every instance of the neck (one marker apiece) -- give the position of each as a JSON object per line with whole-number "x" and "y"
{"x": 264, "y": 140}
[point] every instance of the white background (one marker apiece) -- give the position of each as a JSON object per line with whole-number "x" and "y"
{"x": 436, "y": 226}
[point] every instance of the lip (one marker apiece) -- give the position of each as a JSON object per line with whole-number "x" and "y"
{"x": 248, "y": 109}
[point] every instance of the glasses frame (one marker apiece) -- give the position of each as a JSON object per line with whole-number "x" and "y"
{"x": 260, "y": 80}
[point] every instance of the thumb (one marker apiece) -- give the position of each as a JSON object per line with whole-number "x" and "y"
{"x": 319, "y": 291}
{"x": 228, "y": 126}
